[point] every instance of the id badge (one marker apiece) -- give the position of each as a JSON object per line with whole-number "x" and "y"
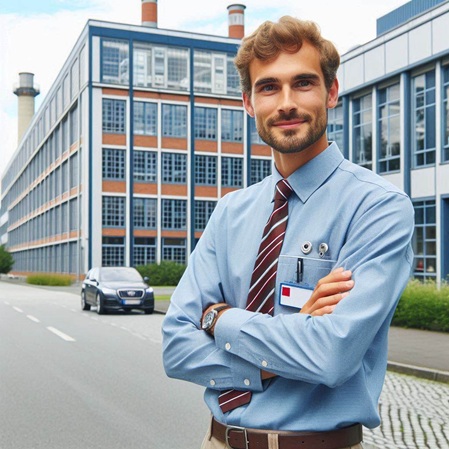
{"x": 294, "y": 295}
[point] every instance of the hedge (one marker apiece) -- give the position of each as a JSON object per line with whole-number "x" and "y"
{"x": 166, "y": 273}
{"x": 52, "y": 279}
{"x": 423, "y": 306}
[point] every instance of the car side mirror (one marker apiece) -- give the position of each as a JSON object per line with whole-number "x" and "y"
{"x": 146, "y": 279}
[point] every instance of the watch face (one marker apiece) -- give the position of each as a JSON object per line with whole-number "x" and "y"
{"x": 208, "y": 320}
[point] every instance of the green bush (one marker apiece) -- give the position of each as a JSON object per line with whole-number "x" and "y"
{"x": 423, "y": 306}
{"x": 166, "y": 273}
{"x": 6, "y": 260}
{"x": 60, "y": 280}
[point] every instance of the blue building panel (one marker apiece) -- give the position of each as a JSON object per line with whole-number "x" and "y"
{"x": 404, "y": 13}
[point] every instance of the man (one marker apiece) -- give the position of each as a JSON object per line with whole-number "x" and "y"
{"x": 277, "y": 378}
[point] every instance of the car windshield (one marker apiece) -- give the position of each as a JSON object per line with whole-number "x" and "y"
{"x": 120, "y": 274}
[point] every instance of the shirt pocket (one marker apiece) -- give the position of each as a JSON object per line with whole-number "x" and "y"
{"x": 306, "y": 273}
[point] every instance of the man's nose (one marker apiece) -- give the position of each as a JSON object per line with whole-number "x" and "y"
{"x": 287, "y": 100}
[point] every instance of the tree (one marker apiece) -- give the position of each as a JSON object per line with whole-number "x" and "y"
{"x": 6, "y": 260}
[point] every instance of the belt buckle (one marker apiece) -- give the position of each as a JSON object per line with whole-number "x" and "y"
{"x": 236, "y": 429}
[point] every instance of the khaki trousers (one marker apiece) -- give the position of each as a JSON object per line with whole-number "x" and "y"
{"x": 210, "y": 442}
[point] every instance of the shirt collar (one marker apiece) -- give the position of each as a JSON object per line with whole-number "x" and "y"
{"x": 309, "y": 177}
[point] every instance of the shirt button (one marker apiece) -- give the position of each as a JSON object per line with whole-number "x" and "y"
{"x": 228, "y": 346}
{"x": 264, "y": 363}
{"x": 212, "y": 382}
{"x": 246, "y": 382}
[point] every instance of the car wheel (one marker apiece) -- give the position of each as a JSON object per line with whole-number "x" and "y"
{"x": 100, "y": 307}
{"x": 84, "y": 305}
{"x": 148, "y": 311}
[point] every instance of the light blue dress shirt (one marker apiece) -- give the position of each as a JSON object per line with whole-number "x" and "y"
{"x": 330, "y": 369}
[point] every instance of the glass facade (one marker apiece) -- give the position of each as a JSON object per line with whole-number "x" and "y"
{"x": 335, "y": 126}
{"x": 424, "y": 116}
{"x": 445, "y": 155}
{"x": 389, "y": 129}
{"x": 424, "y": 240}
{"x": 362, "y": 140}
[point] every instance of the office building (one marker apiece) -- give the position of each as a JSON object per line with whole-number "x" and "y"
{"x": 140, "y": 135}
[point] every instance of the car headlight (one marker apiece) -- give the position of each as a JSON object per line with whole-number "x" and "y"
{"x": 150, "y": 290}
{"x": 108, "y": 291}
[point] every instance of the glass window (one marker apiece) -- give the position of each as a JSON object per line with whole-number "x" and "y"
{"x": 174, "y": 120}
{"x": 113, "y": 252}
{"x": 362, "y": 120}
{"x": 114, "y": 116}
{"x": 445, "y": 156}
{"x": 233, "y": 77}
{"x": 255, "y": 137}
{"x": 231, "y": 125}
{"x": 145, "y": 213}
{"x": 113, "y": 164}
{"x": 206, "y": 170}
{"x": 335, "y": 126}
{"x": 174, "y": 168}
{"x": 160, "y": 66}
{"x": 174, "y": 250}
{"x": 115, "y": 61}
{"x": 260, "y": 169}
{"x": 145, "y": 118}
{"x": 174, "y": 214}
{"x": 424, "y": 117}
{"x": 203, "y": 211}
{"x": 232, "y": 172}
{"x": 145, "y": 166}
{"x": 389, "y": 129}
{"x": 424, "y": 240}
{"x": 205, "y": 123}
{"x": 113, "y": 211}
{"x": 215, "y": 73}
{"x": 144, "y": 251}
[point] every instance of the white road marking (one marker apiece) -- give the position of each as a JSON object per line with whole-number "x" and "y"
{"x": 60, "y": 334}
{"x": 18, "y": 310}
{"x": 32, "y": 318}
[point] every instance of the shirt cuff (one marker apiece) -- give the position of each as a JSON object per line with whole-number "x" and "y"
{"x": 246, "y": 375}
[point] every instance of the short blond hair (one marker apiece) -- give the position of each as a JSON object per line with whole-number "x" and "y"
{"x": 287, "y": 35}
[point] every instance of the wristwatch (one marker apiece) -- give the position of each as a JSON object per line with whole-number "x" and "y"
{"x": 209, "y": 320}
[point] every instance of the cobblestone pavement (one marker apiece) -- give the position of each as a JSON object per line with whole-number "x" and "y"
{"x": 414, "y": 413}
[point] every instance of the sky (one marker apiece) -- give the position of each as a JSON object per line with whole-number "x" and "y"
{"x": 37, "y": 35}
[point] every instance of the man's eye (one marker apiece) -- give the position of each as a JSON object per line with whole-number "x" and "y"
{"x": 267, "y": 88}
{"x": 303, "y": 83}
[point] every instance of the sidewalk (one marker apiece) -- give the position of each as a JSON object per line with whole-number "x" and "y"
{"x": 415, "y": 352}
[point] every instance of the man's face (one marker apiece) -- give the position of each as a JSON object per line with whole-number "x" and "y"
{"x": 289, "y": 101}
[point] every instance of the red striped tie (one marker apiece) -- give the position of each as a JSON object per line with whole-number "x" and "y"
{"x": 263, "y": 279}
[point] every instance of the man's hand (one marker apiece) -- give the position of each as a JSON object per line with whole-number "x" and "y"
{"x": 329, "y": 291}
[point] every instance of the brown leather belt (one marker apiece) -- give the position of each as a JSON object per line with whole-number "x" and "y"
{"x": 243, "y": 438}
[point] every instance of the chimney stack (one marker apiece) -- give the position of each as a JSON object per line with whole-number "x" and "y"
{"x": 236, "y": 21}
{"x": 149, "y": 13}
{"x": 26, "y": 93}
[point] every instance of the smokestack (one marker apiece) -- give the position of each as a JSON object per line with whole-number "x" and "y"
{"x": 26, "y": 93}
{"x": 149, "y": 13}
{"x": 236, "y": 21}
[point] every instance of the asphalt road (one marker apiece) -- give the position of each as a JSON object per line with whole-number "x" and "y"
{"x": 77, "y": 380}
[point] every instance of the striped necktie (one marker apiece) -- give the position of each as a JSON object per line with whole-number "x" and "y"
{"x": 263, "y": 279}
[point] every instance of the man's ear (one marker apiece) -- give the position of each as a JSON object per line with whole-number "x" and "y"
{"x": 332, "y": 96}
{"x": 247, "y": 103}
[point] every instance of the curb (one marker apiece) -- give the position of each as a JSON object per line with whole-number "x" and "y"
{"x": 418, "y": 371}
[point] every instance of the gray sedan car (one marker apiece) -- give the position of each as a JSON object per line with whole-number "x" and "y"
{"x": 116, "y": 288}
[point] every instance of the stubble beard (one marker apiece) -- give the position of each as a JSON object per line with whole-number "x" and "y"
{"x": 290, "y": 142}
